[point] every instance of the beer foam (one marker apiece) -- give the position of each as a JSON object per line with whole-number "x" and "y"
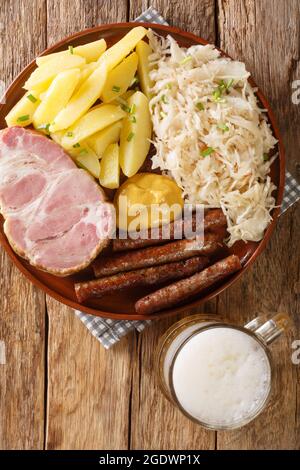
{"x": 221, "y": 376}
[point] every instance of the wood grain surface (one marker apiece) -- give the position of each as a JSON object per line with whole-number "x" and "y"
{"x": 59, "y": 388}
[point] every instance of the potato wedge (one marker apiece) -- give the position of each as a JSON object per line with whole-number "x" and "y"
{"x": 143, "y": 51}
{"x": 122, "y": 48}
{"x": 90, "y": 52}
{"x": 110, "y": 168}
{"x": 57, "y": 96}
{"x": 120, "y": 78}
{"x": 22, "y": 113}
{"x": 57, "y": 136}
{"x": 86, "y": 71}
{"x": 87, "y": 159}
{"x": 81, "y": 101}
{"x": 102, "y": 139}
{"x": 135, "y": 135}
{"x": 93, "y": 121}
{"x": 41, "y": 76}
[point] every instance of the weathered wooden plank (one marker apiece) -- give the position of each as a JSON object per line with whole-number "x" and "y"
{"x": 266, "y": 36}
{"x": 22, "y": 307}
{"x": 66, "y": 16}
{"x": 88, "y": 387}
{"x": 156, "y": 424}
{"x": 196, "y": 17}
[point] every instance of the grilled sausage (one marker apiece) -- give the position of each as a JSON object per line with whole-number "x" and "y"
{"x": 142, "y": 277}
{"x": 184, "y": 289}
{"x": 213, "y": 220}
{"x": 153, "y": 256}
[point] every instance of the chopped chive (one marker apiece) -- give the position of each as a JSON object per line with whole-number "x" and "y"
{"x": 164, "y": 99}
{"x": 83, "y": 152}
{"x": 133, "y": 119}
{"x": 207, "y": 151}
{"x": 200, "y": 106}
{"x": 71, "y": 49}
{"x": 69, "y": 134}
{"x": 116, "y": 88}
{"x": 223, "y": 127}
{"x": 76, "y": 146}
{"x": 229, "y": 84}
{"x": 135, "y": 81}
{"x": 185, "y": 60}
{"x": 125, "y": 108}
{"x": 44, "y": 127}
{"x": 265, "y": 157}
{"x": 23, "y": 118}
{"x": 163, "y": 115}
{"x": 217, "y": 94}
{"x": 169, "y": 85}
{"x": 32, "y": 98}
{"x": 130, "y": 136}
{"x": 133, "y": 108}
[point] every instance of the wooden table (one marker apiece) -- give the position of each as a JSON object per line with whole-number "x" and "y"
{"x": 59, "y": 388}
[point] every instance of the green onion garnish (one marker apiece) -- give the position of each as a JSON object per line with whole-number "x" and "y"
{"x": 44, "y": 127}
{"x": 169, "y": 85}
{"x": 163, "y": 115}
{"x": 229, "y": 84}
{"x": 185, "y": 60}
{"x": 83, "y": 152}
{"x": 23, "y": 118}
{"x": 223, "y": 127}
{"x": 265, "y": 157}
{"x": 76, "y": 146}
{"x": 71, "y": 49}
{"x": 135, "y": 81}
{"x": 200, "y": 106}
{"x": 69, "y": 134}
{"x": 125, "y": 108}
{"x": 116, "y": 88}
{"x": 32, "y": 98}
{"x": 207, "y": 151}
{"x": 133, "y": 119}
{"x": 164, "y": 99}
{"x": 217, "y": 94}
{"x": 132, "y": 108}
{"x": 130, "y": 136}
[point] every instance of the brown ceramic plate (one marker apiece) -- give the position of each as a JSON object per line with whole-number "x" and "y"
{"x": 122, "y": 305}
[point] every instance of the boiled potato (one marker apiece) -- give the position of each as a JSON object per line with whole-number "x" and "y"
{"x": 135, "y": 135}
{"x": 122, "y": 48}
{"x": 86, "y": 71}
{"x": 57, "y": 136}
{"x": 42, "y": 75}
{"x": 143, "y": 51}
{"x": 90, "y": 52}
{"x": 110, "y": 168}
{"x": 87, "y": 159}
{"x": 57, "y": 96}
{"x": 92, "y": 122}
{"x": 102, "y": 139}
{"x": 120, "y": 78}
{"x": 22, "y": 113}
{"x": 81, "y": 101}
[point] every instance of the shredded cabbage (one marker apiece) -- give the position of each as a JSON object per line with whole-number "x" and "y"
{"x": 211, "y": 136}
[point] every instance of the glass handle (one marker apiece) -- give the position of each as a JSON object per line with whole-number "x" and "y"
{"x": 267, "y": 327}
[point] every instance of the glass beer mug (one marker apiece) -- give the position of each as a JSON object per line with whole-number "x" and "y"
{"x": 218, "y": 374}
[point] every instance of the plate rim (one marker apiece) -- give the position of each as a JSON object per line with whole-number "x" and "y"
{"x": 258, "y": 250}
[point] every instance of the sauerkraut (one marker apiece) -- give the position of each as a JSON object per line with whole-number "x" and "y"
{"x": 211, "y": 135}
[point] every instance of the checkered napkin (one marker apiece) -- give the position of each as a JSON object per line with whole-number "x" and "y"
{"x": 109, "y": 332}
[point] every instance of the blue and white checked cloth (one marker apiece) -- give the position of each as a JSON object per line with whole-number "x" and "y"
{"x": 109, "y": 332}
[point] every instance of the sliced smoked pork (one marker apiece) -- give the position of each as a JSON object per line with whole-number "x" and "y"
{"x": 55, "y": 214}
